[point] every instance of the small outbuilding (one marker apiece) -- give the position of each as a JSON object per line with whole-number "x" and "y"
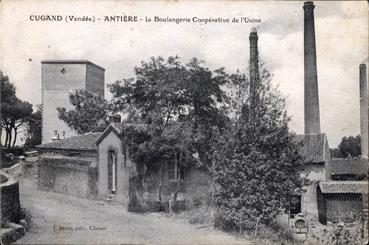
{"x": 69, "y": 166}
{"x": 120, "y": 179}
{"x": 341, "y": 201}
{"x": 343, "y": 196}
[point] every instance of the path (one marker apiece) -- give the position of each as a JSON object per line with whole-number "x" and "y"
{"x": 95, "y": 223}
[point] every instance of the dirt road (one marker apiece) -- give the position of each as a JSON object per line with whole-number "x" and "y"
{"x": 61, "y": 219}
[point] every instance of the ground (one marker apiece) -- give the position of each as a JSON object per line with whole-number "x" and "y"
{"x": 96, "y": 222}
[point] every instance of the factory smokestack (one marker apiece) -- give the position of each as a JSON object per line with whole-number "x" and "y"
{"x": 363, "y": 110}
{"x": 254, "y": 70}
{"x": 312, "y": 117}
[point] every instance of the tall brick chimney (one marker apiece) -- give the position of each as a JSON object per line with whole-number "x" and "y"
{"x": 363, "y": 110}
{"x": 312, "y": 116}
{"x": 254, "y": 70}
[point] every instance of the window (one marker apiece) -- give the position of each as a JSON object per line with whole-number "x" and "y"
{"x": 56, "y": 134}
{"x": 171, "y": 171}
{"x": 175, "y": 172}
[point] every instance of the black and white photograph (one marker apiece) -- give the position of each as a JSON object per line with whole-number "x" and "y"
{"x": 184, "y": 122}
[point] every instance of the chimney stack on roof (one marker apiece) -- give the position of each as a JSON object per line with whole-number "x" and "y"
{"x": 311, "y": 94}
{"x": 254, "y": 69}
{"x": 363, "y": 110}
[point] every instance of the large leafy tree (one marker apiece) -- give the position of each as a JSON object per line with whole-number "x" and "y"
{"x": 89, "y": 112}
{"x": 349, "y": 146}
{"x": 179, "y": 104}
{"x": 256, "y": 165}
{"x": 14, "y": 112}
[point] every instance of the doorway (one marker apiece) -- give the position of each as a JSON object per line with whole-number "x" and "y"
{"x": 112, "y": 171}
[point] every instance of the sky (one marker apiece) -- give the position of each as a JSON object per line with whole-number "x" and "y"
{"x": 341, "y": 39}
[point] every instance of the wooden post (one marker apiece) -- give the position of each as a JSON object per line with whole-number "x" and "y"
{"x": 240, "y": 225}
{"x": 256, "y": 227}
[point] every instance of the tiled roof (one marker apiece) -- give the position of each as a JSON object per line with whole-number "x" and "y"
{"x": 347, "y": 166}
{"x": 79, "y": 142}
{"x": 344, "y": 187}
{"x": 119, "y": 128}
{"x": 313, "y": 148}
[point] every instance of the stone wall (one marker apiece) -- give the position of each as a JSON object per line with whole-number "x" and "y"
{"x": 74, "y": 176}
{"x": 9, "y": 195}
{"x": 198, "y": 184}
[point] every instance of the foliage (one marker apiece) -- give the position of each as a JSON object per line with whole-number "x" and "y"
{"x": 256, "y": 163}
{"x": 339, "y": 234}
{"x": 349, "y": 146}
{"x": 202, "y": 215}
{"x": 238, "y": 93}
{"x": 33, "y": 136}
{"x": 89, "y": 113}
{"x": 179, "y": 106}
{"x": 178, "y": 102}
{"x": 14, "y": 112}
{"x": 346, "y": 237}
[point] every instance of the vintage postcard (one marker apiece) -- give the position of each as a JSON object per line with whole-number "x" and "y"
{"x": 184, "y": 122}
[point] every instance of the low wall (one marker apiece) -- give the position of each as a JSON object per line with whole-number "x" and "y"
{"x": 9, "y": 196}
{"x": 193, "y": 191}
{"x": 68, "y": 175}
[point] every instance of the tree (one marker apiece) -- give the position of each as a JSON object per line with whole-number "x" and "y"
{"x": 178, "y": 104}
{"x": 14, "y": 112}
{"x": 7, "y": 98}
{"x": 256, "y": 164}
{"x": 21, "y": 112}
{"x": 349, "y": 146}
{"x": 89, "y": 113}
{"x": 34, "y": 128}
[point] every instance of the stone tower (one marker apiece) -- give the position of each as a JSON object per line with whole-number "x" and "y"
{"x": 311, "y": 94}
{"x": 59, "y": 78}
{"x": 363, "y": 110}
{"x": 254, "y": 70}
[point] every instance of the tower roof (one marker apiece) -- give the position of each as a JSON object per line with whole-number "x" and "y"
{"x": 71, "y": 62}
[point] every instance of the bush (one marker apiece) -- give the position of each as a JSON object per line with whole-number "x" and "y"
{"x": 17, "y": 151}
{"x": 200, "y": 215}
{"x": 224, "y": 222}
